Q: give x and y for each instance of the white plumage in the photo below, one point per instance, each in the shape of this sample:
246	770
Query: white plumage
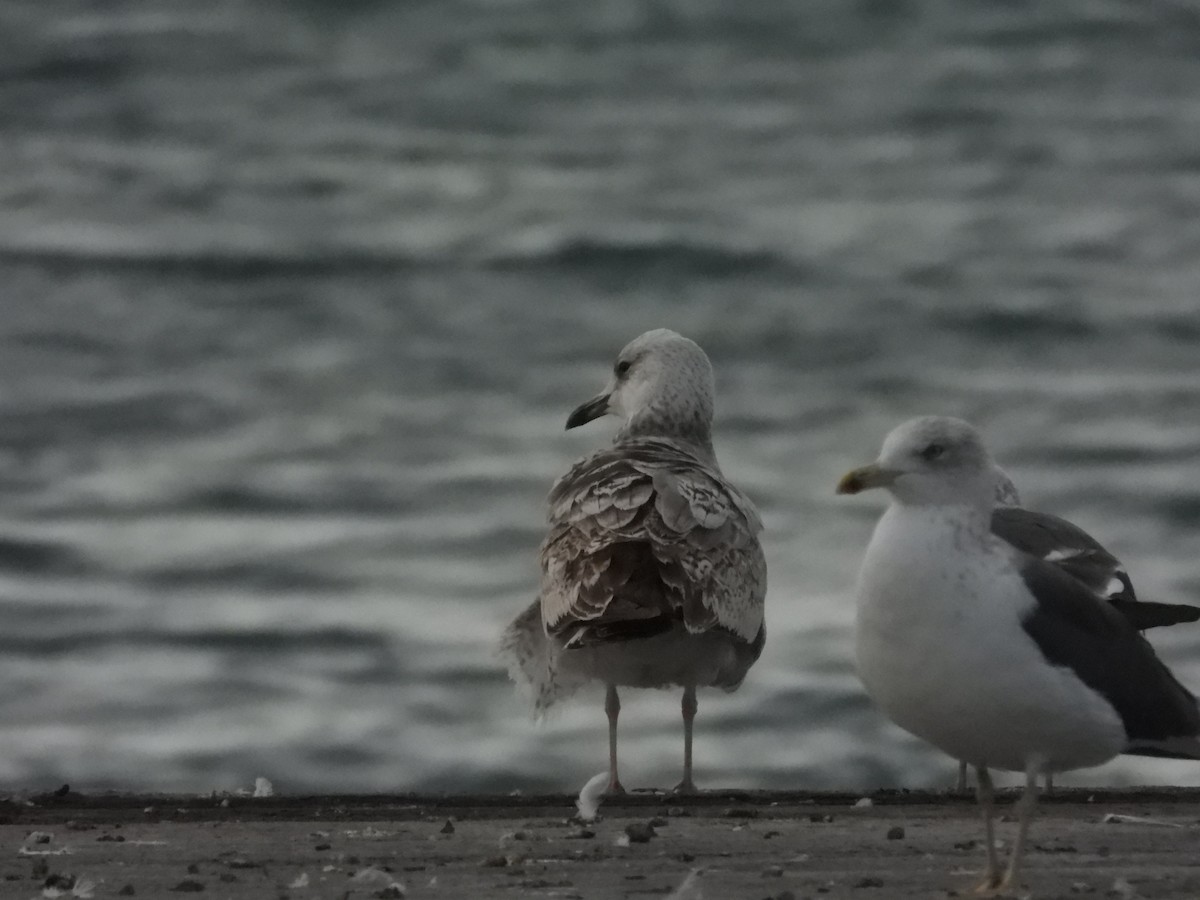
996	656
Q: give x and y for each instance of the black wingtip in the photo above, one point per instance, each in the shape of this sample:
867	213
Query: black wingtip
1143	614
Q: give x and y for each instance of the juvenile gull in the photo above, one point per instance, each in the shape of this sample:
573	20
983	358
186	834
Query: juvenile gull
652	572
996	656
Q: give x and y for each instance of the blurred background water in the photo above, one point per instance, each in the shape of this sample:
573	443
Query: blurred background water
296	298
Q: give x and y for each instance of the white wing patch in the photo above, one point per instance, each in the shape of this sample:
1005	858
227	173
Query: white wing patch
1059	554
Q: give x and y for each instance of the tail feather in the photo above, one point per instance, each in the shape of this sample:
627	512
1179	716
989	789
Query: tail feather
1182	747
532	662
1143	614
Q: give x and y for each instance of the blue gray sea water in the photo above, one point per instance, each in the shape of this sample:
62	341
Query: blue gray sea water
295	299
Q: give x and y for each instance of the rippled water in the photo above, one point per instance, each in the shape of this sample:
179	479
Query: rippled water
296	300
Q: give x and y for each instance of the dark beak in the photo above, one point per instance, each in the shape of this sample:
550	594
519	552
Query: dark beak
593	409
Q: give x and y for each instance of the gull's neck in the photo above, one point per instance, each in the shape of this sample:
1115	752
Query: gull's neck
973	517
693	430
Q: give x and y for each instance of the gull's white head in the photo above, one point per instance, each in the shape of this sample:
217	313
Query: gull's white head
662	384
930	461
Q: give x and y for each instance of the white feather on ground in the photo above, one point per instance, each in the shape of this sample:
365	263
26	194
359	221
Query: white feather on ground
590	796
691	888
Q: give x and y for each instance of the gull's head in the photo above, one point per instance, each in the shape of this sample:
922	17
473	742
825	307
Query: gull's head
662	383
930	461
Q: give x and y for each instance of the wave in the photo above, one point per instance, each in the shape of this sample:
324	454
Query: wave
238	264
256	641
30	556
676	255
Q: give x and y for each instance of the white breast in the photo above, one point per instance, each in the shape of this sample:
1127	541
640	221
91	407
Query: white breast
941	650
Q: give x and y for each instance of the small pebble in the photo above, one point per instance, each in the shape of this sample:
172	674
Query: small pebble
639	832
495	862
126	891
188	886
448	828
895	833
869	883
817	817
773	872
738	812
322	846
193	869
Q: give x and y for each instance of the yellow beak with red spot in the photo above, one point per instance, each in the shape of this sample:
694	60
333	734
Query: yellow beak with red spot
867	477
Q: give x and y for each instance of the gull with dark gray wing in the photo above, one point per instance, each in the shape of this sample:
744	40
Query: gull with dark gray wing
652	571
1074	551
996	656
1064	544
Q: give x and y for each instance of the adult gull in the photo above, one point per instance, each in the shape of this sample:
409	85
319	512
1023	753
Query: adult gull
994	655
1066	545
652	571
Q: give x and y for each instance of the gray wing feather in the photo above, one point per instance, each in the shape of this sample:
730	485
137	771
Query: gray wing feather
1066	545
645	529
1070	548
1076	629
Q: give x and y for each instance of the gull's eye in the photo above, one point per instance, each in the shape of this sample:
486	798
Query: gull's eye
623	367
932	452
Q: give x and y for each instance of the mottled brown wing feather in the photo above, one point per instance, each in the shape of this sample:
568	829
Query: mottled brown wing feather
647	528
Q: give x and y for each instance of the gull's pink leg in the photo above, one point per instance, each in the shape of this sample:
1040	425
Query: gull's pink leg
688	706
612	707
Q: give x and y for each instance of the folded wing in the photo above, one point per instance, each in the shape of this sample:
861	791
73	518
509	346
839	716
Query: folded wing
646	534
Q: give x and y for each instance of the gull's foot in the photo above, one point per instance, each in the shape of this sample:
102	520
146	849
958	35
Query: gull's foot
994	885
615	787
990	885
687	786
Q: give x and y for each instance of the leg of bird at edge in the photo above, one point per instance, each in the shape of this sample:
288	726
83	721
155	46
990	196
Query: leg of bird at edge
1026	807
986	794
687	786
961	786
612	707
